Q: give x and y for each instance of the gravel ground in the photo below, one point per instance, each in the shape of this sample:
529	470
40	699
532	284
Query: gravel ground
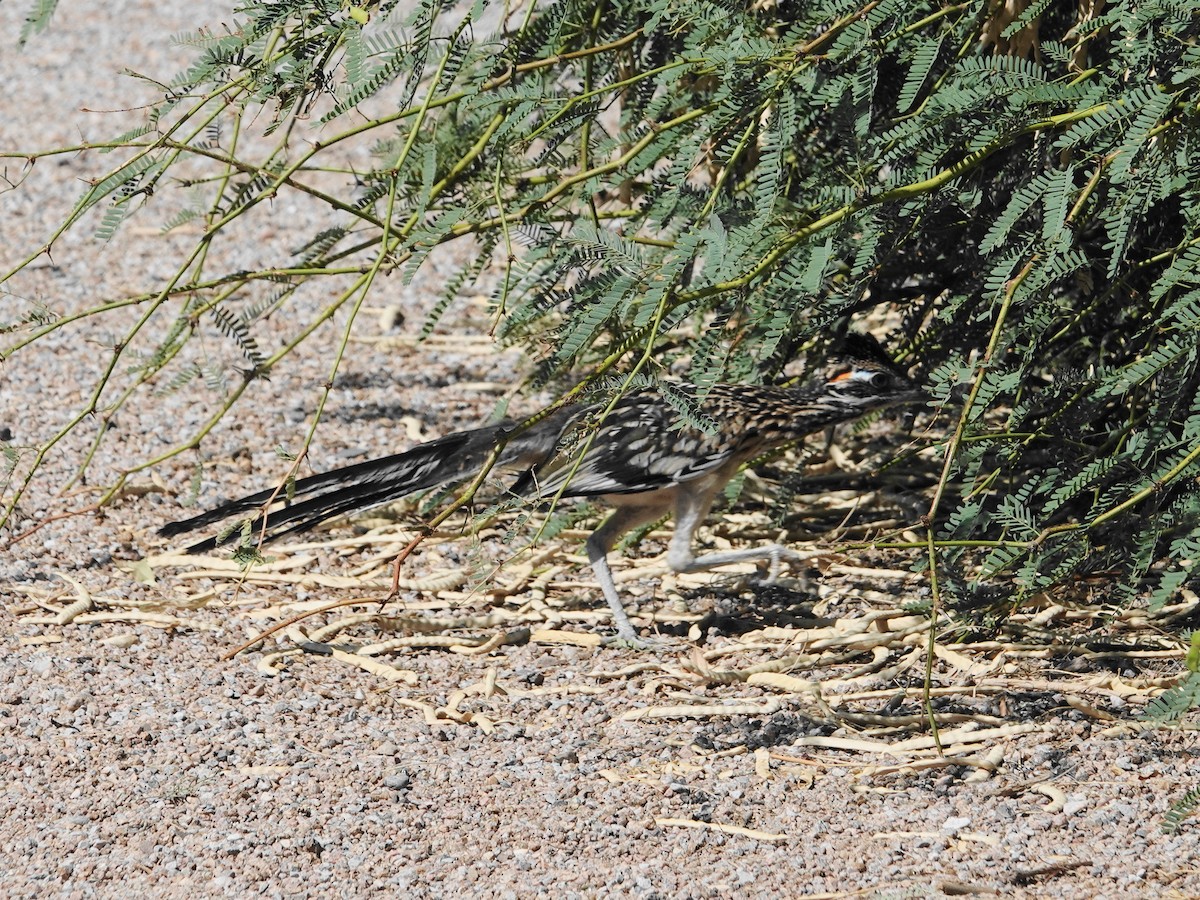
139	763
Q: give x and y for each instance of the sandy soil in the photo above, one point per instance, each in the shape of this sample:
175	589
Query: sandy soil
139	762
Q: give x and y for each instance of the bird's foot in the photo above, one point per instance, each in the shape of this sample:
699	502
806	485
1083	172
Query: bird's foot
627	637
776	555
633	642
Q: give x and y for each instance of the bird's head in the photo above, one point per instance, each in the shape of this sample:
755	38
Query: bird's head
866	378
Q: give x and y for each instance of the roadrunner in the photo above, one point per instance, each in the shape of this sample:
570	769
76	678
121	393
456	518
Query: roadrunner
640	459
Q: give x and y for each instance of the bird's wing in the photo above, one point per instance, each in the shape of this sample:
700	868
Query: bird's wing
639	446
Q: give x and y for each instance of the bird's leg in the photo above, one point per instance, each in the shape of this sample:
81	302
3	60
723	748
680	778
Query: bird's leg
690	509
598	546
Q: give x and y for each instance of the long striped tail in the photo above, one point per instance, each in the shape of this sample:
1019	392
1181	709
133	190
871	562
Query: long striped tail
353	488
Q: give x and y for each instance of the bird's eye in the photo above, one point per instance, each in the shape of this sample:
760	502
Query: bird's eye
881	380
